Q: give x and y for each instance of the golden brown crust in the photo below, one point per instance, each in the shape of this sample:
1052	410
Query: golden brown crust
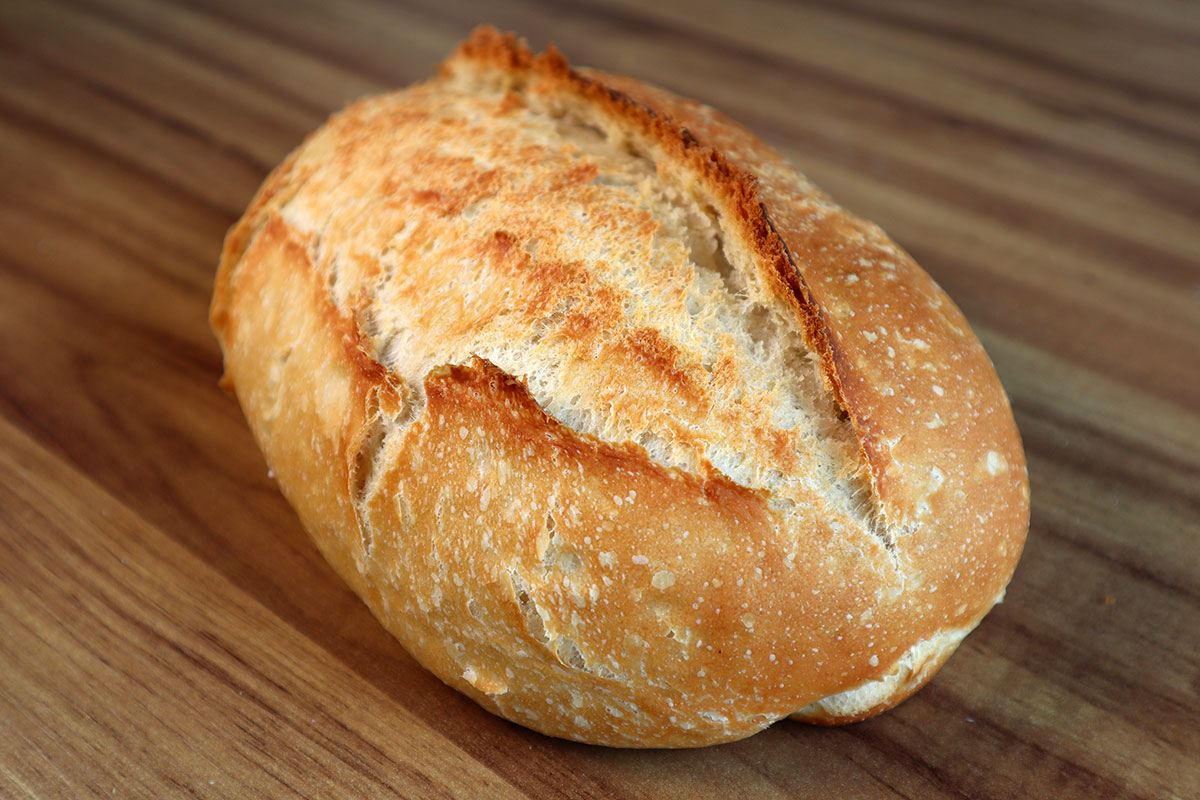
564	575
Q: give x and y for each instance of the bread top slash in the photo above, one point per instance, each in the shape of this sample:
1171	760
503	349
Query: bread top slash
683	446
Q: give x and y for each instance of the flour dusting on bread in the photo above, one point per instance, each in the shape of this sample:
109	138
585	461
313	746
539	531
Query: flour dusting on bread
574	382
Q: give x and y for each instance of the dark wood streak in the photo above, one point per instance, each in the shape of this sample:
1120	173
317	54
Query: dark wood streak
177	349
888	14
352	758
1127	19
150	112
217	11
1092	785
1049	102
97	234
1081	540
1096	686
52	133
934	774
1118	469
867	769
211	58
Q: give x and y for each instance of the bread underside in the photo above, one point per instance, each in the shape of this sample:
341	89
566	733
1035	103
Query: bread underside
621	426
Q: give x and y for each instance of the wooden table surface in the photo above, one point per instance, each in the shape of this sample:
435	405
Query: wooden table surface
167	629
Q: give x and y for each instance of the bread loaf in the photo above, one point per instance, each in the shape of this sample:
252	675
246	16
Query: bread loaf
618	423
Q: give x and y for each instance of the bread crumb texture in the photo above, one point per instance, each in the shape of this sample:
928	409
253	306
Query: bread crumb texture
620	425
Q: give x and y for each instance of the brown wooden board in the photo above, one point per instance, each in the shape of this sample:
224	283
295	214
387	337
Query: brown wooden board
167	629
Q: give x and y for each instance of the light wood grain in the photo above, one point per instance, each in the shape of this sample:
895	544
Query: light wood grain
167	629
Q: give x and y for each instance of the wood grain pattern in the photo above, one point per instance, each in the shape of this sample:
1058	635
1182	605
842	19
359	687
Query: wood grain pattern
166	629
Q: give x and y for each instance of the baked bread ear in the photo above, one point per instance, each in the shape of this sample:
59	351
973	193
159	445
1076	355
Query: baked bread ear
621	426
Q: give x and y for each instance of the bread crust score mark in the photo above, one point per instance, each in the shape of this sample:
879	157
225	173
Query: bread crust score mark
621	426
